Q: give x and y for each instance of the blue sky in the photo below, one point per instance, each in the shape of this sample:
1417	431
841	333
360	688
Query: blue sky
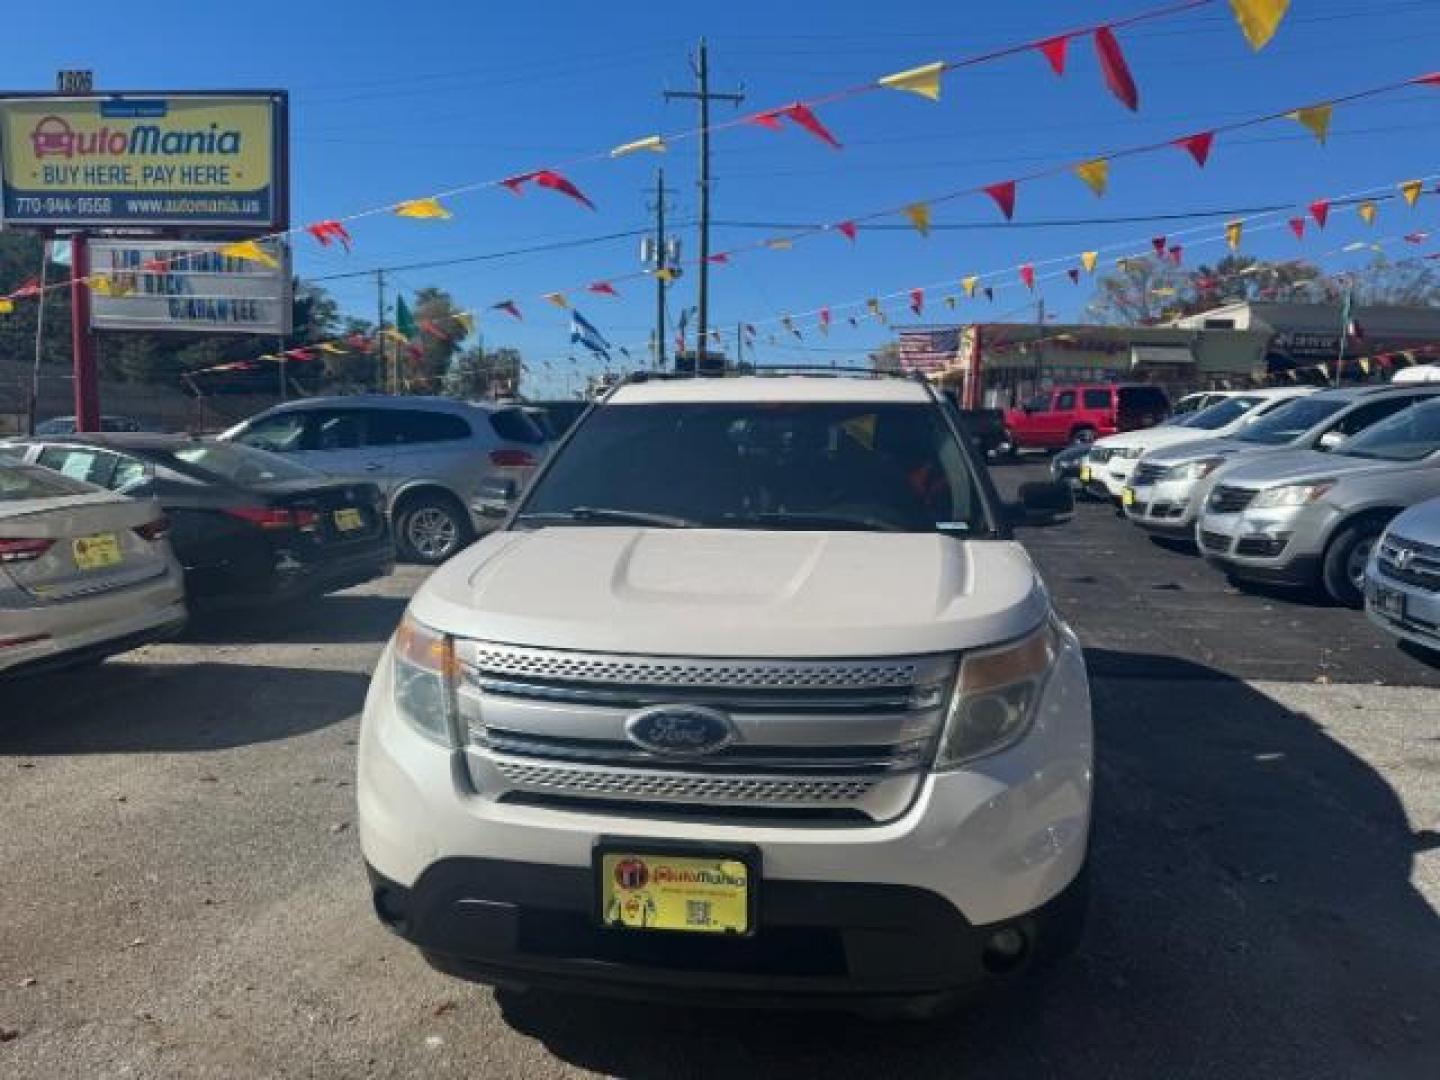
391	101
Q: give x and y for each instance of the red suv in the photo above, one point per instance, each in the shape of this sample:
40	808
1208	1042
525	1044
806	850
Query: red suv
1063	415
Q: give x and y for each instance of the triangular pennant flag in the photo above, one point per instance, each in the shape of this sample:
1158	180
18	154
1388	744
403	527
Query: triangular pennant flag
101	284
800	114
1433	79
466	321
433	329
509	307
666	274
1096	174
825	320
1027	275
1158	243
331	348
919	215
604	288
1177	254
1367	211
1411	190
1320	211
1198	146
1416	237
1115	69
873	306
720	258
328	230
422	208
553	181
558	299
1259	19
1297	226
298	354
968	285
1054	49
7	306
250	251
404	320
1233	232
653	143
1315	119
1004	195
923	80
917	300
1365	365
1074	275
1088	259
780	243
30	288
847	228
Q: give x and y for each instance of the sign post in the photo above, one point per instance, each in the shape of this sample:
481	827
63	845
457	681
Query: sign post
87	380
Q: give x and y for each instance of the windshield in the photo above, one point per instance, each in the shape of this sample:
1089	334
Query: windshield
812	465
1291	420
240	464
1223	414
1409	435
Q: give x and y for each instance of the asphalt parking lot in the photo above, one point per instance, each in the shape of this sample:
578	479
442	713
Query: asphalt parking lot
184	895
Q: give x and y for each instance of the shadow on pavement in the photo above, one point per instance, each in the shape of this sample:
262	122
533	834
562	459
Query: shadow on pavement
145	708
1253	915
340	619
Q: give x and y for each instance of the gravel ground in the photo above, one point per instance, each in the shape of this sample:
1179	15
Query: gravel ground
184	895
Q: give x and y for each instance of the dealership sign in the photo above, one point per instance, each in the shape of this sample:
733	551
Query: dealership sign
142	160
151	285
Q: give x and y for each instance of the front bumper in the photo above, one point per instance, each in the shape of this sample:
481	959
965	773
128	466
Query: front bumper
988	844
1108	480
1167	507
1417	619
1281	546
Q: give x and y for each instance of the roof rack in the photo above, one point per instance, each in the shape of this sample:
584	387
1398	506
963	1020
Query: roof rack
819	371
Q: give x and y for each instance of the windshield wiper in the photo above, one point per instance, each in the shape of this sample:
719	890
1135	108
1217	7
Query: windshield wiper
609	515
815	520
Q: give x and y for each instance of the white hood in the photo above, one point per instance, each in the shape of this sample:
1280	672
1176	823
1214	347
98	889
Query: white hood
701	592
1154	438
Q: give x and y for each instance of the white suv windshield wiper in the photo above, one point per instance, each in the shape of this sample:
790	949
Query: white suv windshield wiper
608	515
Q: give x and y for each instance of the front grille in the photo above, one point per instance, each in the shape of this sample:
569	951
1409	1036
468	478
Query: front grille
1230	500
816	736
1148	474
1410	562
1213	541
1262	545
1099	455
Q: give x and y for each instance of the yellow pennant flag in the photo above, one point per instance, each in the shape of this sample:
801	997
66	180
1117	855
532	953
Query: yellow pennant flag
331	348
558	299
250	251
394	335
466	321
919	215
653	143
1259	19
7	306
666	274
969	284
1365	365
1316	120
923	80
101	285
1233	231
1096	174
780	244
1088	259
1411	189
1367	211
422	208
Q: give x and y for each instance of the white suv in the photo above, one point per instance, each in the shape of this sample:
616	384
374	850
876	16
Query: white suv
752	698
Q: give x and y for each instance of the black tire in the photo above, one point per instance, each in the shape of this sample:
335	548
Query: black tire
431	528
1342	572
1083	435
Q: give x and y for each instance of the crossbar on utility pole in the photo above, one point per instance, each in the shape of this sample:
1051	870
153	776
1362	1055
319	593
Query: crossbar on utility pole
703	94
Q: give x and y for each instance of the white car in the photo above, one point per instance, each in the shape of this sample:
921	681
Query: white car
1111	462
84	573
752	698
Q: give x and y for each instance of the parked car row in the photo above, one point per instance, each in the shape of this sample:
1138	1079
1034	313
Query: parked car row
1333	491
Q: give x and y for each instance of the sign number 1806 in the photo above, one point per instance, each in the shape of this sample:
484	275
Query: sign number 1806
74	81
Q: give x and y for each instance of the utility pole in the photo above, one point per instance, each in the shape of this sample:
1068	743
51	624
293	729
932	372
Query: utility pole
380	325
661	258
701	66
1346	307
86	370
1039	342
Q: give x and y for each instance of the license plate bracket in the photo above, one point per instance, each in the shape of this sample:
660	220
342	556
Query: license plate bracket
676	888
1127	496
348	519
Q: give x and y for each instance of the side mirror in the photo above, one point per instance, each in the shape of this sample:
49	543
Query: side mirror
495	497
1043	503
1331	440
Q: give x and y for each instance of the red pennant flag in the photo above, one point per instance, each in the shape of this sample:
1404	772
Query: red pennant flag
768	120
30	288
848	228
1416	237
1297	226
1433	79
825	316
1074	275
359	341
328	230
155	266
1054	50
1027	275
604	288
720	258
1158	243
517	183
1004	196
806	118
298	354
509	307
434	331
548	178
1320	211
1115	69
1198	146
917	300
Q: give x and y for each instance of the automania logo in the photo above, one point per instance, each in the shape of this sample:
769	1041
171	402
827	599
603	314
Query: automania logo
54	137
666	875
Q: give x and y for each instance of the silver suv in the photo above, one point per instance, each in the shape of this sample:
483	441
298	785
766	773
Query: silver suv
1302	517
431	457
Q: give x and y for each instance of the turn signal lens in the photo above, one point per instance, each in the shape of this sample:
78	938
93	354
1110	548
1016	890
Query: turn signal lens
15	549
153	530
425	674
996	696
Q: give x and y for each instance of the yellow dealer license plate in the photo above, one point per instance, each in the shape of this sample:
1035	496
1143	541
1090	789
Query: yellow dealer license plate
1084	474
695	893
96	552
1128	496
349	520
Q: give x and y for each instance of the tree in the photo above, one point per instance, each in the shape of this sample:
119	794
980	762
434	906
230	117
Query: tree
1407	282
1137	293
1144	291
20	255
438	339
475	373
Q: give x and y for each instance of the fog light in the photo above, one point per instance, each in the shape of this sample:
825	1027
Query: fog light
1005	950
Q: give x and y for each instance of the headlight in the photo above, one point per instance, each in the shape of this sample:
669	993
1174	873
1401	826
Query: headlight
1194	470
996	696
424	676
1291	495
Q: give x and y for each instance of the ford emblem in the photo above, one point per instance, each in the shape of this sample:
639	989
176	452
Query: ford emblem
680	730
